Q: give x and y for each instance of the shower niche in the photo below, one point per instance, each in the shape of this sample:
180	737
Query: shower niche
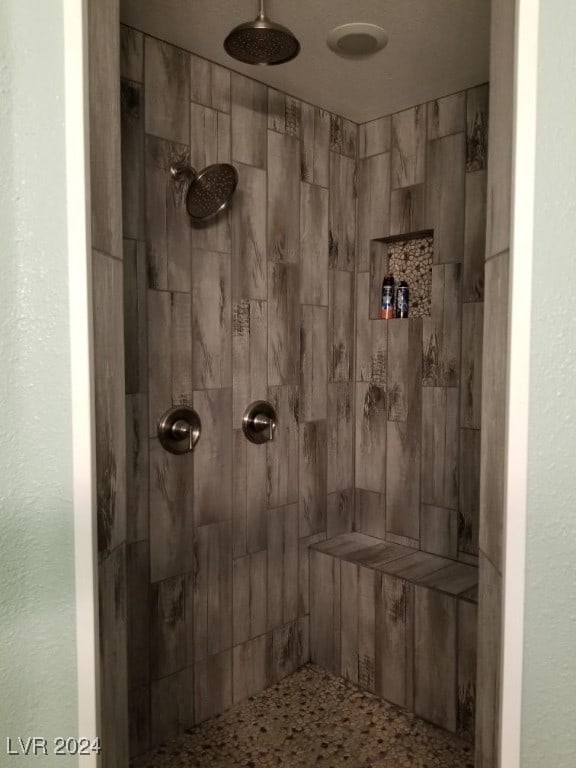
406	257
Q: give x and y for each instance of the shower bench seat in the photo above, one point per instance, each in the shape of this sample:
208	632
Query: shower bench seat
399	622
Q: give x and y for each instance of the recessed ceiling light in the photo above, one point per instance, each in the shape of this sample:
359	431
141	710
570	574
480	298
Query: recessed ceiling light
357	39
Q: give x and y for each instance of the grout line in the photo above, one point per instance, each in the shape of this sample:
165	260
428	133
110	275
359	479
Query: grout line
482	553
493	256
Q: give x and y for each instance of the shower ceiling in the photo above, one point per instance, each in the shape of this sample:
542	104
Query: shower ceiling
436	47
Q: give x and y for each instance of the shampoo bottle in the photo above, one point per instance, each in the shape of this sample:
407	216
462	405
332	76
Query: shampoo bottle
387	302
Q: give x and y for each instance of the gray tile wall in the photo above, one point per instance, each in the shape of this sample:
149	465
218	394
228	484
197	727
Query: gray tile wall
256	304
417	467
112	410
494	375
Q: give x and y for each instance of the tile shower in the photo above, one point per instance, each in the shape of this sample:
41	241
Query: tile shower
378	421
257	304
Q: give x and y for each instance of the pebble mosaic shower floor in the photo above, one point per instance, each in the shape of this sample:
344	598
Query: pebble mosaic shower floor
313	719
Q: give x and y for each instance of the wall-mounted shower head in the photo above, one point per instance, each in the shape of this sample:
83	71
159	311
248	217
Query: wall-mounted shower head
262	42
209	191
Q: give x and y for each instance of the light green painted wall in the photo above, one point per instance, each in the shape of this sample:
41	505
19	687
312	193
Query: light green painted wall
38	690
549	682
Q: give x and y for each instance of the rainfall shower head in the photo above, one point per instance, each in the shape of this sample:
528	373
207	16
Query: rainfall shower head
262	42
208	191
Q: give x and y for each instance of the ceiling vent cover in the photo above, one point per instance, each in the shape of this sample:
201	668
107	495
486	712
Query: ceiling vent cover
357	40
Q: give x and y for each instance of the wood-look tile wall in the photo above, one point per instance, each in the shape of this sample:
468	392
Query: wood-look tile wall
494	377
255	304
418	381
114	564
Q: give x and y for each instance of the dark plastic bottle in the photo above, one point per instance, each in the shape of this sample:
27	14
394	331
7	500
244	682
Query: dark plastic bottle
402	299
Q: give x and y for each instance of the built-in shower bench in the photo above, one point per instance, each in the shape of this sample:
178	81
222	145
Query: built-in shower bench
398	622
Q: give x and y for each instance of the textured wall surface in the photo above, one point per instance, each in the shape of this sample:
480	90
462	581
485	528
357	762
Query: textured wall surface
37	597
549	696
494	381
108	315
255	304
418	381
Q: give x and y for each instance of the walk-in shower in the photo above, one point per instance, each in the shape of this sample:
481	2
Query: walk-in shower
311	598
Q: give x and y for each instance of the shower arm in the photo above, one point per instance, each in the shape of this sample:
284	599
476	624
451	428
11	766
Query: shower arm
183	172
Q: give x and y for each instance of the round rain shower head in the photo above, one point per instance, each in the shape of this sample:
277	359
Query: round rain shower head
262	42
209	191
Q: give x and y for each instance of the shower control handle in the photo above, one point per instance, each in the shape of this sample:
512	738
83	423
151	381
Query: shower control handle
265	423
179	429
182	429
259	422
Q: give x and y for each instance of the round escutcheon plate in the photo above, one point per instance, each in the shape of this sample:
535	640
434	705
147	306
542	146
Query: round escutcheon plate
179	429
